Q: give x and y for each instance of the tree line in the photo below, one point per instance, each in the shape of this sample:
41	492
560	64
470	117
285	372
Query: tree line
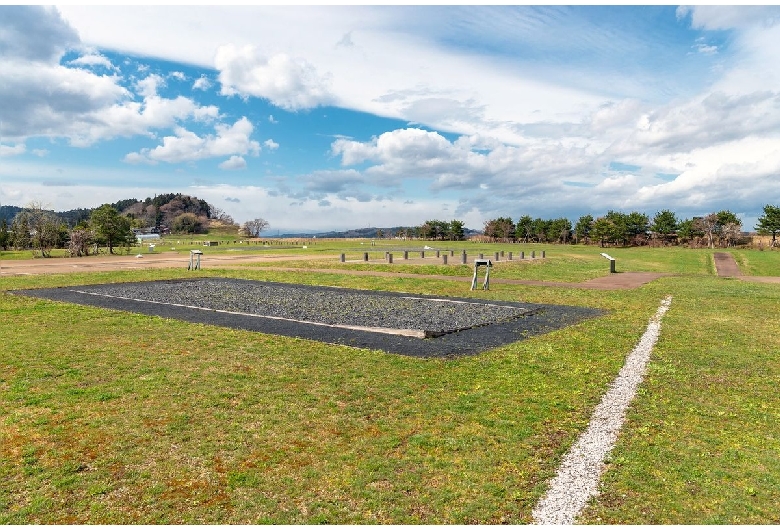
83	231
722	228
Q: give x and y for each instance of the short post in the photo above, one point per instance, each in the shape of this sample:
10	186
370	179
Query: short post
463	258
389	258
422	254
496	256
406	254
510	256
486	284
444	259
438	254
544	253
343	258
365	256
502	253
481	256
611	262
533	254
194	260
522	254
452	253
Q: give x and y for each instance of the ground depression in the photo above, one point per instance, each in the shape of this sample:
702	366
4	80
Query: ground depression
418	325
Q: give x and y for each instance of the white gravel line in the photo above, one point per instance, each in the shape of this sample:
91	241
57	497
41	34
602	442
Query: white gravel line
578	476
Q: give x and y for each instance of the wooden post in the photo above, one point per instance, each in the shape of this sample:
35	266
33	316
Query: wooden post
343	258
444	259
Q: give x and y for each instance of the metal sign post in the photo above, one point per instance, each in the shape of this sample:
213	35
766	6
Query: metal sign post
477	263
194	260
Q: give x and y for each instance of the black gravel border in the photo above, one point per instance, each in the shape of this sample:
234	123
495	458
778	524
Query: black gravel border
540	319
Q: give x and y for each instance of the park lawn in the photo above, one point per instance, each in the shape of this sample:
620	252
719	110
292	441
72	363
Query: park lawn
109	417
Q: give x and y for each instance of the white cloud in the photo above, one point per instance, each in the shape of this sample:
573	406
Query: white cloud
270	144
234	162
202	83
187	146
147	86
12	150
178	75
292	84
93	58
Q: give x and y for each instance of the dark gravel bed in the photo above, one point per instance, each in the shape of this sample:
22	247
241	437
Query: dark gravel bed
458	326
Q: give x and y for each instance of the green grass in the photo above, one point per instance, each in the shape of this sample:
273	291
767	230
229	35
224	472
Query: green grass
111	418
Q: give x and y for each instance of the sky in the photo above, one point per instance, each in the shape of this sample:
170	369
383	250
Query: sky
321	118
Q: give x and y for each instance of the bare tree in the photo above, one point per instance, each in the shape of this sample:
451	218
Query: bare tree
255	226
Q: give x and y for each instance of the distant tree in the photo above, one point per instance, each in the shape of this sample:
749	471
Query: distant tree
187	223
539	229
524	228
456	230
111	229
708	226
559	230
769	223
664	224
582	228
5	236
724	226
603	229
20	232
81	239
39	229
501	228
255	226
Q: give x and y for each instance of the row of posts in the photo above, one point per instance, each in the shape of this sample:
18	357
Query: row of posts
443	256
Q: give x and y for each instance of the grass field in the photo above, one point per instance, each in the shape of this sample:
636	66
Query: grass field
108	417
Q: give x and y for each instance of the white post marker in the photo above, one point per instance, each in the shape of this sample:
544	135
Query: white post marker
194	260
611	261
477	263
578	476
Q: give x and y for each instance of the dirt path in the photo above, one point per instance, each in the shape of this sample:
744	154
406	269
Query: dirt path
726	266
625	280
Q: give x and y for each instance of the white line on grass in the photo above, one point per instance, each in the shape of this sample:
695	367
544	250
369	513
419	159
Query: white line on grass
578	476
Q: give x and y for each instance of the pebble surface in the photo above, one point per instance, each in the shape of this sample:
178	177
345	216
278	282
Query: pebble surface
331	306
466	326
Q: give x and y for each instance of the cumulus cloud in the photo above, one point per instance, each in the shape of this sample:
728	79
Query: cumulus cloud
201	83
92	59
147	86
178	75
44	98
270	144
288	83
187	146
234	162
35	33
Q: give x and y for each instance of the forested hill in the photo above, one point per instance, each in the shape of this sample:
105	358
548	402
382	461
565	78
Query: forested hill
151	211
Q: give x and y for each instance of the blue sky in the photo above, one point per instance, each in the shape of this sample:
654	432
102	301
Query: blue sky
326	118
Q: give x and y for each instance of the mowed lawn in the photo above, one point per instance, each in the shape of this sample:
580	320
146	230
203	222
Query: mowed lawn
108	417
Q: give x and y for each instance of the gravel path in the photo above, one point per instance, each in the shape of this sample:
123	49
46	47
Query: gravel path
343	316
578	476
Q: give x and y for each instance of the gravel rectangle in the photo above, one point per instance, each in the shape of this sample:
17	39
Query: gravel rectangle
418	325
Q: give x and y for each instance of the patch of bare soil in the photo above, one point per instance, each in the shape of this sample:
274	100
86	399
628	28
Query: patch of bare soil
623	280
726	265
